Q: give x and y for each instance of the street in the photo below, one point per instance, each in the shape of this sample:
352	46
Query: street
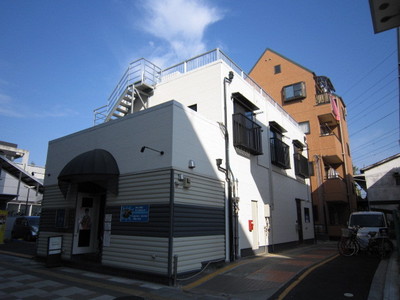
341	278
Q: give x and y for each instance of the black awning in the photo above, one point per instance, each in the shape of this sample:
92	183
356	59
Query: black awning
96	166
244	101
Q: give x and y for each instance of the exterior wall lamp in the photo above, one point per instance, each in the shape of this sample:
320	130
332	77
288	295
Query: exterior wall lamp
144	148
192	164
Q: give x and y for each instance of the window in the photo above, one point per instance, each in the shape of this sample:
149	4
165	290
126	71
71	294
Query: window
279	150
306	215
277	69
305	127
301	164
294	91
246	132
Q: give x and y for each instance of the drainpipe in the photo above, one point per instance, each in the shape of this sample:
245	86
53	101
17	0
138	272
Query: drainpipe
347	181
233	242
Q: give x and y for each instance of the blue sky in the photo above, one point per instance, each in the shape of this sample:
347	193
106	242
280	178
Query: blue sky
61	59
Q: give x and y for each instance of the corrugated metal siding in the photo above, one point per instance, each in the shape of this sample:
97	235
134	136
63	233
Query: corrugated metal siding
53	198
191	220
199	222
192	251
158	225
48	220
149	254
203	191
66	246
143	188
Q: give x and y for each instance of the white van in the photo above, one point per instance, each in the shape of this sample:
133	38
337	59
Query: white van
368	221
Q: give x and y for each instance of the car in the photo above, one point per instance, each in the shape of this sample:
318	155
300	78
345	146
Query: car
26	227
368	221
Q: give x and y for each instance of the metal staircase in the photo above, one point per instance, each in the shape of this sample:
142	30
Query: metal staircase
131	93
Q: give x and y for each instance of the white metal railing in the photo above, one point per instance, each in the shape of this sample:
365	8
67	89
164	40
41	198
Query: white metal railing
144	71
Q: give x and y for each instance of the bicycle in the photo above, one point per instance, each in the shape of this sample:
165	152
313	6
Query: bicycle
379	245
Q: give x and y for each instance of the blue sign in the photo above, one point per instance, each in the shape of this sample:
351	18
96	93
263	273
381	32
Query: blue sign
134	213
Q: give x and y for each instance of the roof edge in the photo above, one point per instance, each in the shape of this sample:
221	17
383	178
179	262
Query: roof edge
284	57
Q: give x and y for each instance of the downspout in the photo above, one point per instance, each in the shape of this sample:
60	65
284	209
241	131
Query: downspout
170	270
233	243
321	196
347	181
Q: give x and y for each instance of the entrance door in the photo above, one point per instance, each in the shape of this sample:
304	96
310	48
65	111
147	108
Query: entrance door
299	221
86	224
254	214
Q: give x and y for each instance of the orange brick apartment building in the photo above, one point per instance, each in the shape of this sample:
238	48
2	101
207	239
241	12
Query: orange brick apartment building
311	100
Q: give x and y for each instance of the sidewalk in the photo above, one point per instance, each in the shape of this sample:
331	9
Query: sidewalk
261	277
266	276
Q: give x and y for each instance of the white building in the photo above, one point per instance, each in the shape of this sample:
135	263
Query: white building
191	164
382	183
21	184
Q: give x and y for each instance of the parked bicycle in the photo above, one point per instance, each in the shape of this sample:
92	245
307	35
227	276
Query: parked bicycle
376	244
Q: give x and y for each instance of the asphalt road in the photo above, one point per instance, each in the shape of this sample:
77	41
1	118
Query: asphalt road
341	278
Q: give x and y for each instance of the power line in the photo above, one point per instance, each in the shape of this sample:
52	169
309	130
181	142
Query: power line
362	102
373	123
374	154
373	69
374	141
379	148
358	115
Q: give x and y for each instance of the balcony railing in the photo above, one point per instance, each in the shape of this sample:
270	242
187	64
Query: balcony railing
279	153
301	165
246	134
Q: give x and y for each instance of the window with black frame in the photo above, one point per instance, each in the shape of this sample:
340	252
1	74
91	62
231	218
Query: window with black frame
279	150
246	132
301	164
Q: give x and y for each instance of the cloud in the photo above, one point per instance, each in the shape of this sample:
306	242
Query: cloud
6	107
180	26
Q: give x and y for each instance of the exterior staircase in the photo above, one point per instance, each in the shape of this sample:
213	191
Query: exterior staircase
131	93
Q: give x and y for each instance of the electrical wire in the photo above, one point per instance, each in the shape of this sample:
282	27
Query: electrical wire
375	154
366	75
350	105
374	141
371	107
373	123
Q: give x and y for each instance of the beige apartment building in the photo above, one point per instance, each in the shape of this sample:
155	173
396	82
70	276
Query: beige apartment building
321	113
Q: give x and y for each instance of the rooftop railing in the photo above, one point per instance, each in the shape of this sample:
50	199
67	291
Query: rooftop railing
145	71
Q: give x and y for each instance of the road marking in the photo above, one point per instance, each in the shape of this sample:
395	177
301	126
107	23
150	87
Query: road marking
210	276
302	276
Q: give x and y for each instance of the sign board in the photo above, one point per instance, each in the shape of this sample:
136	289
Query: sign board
54	250
134	213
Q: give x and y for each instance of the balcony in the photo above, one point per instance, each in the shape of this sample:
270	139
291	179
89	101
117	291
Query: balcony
279	153
301	165
335	190
327	108
331	149
246	134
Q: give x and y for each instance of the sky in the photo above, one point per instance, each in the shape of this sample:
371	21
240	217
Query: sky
61	59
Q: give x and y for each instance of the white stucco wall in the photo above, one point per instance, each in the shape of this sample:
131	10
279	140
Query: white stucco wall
381	184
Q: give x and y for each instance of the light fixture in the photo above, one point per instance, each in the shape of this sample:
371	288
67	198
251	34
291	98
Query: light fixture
192	164
219	162
144	148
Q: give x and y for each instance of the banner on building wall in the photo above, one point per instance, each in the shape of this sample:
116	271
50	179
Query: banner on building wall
134	213
3	219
